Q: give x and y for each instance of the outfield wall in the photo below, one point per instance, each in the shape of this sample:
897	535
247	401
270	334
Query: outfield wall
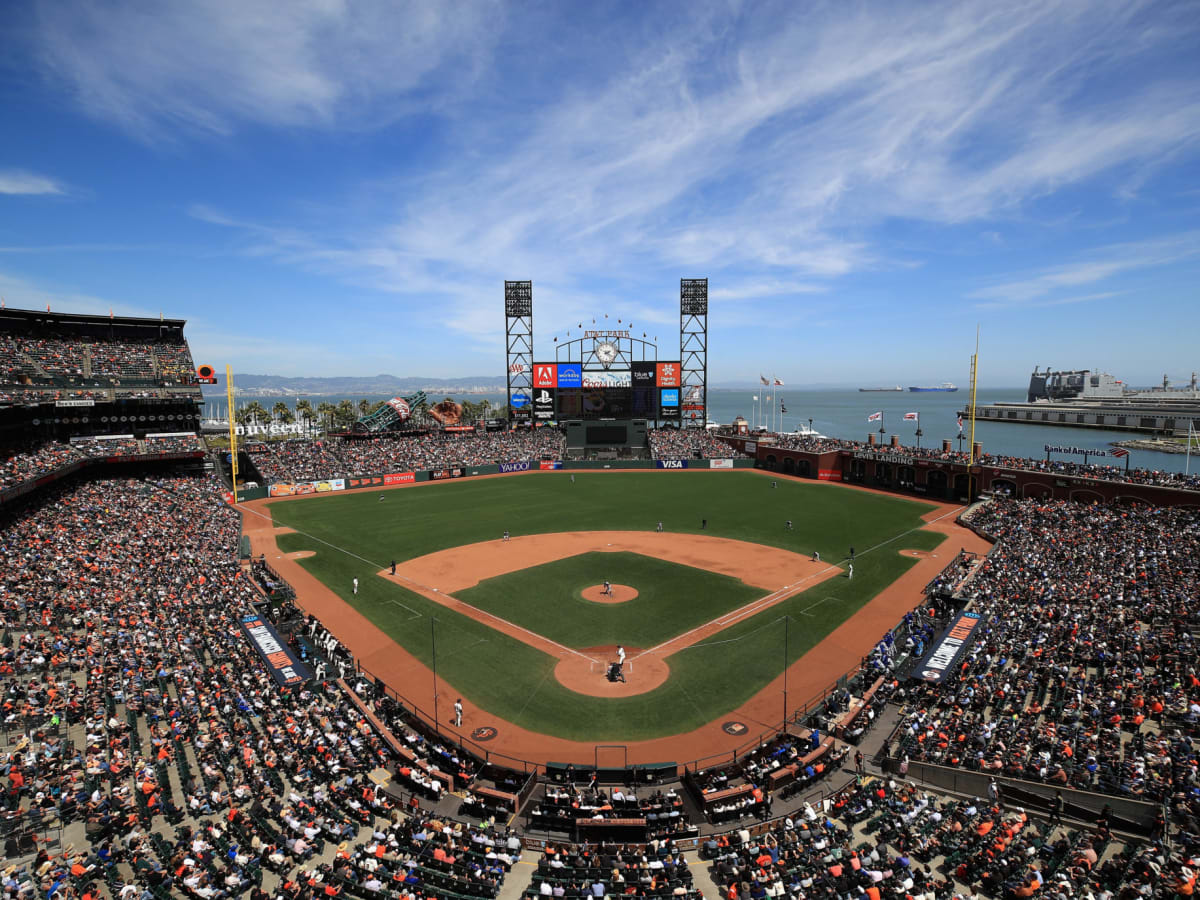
390	479
947	480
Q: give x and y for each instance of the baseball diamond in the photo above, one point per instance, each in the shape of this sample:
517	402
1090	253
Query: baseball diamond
710	613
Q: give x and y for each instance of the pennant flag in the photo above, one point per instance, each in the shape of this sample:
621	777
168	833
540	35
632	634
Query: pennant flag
912	417
1119	452
960	421
778	383
763	379
875	417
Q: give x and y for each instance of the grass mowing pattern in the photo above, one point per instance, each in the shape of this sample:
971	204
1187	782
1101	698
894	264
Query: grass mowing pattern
516	682
672	599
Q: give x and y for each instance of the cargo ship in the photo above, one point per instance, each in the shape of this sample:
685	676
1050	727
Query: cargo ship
879	389
944	388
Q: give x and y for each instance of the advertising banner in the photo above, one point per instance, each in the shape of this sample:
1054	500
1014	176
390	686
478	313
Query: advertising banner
668	374
1056	448
283	665
400	478
516	466
946	652
643	374
829	474
65	403
543	404
547	464
672	463
286	489
545	375
749	446
668	405
720	463
439	474
607	379
519	400
570	375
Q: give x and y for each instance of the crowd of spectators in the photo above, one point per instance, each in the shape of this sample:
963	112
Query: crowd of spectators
34	396
175	443
305	460
881	838
30	358
1085	671
139	711
689	443
560	806
34	460
300	460
142	711
656	869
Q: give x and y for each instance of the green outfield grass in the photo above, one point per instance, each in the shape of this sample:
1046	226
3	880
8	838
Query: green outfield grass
354	535
672	599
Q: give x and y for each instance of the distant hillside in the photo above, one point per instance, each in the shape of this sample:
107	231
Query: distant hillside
343	386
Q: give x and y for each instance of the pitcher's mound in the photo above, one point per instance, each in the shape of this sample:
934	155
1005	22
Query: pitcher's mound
588	674
621	593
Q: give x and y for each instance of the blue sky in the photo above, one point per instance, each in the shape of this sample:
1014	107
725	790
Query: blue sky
341	188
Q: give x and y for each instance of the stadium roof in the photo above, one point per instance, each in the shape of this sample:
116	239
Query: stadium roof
27	317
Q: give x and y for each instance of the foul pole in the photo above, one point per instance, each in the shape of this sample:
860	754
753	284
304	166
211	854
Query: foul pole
233	467
971	455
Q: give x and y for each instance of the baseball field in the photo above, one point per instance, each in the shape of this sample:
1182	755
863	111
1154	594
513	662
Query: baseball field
711	610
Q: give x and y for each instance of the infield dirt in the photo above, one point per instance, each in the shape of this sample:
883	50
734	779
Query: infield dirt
813	672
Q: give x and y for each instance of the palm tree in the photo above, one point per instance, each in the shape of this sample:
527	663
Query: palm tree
344	414
281	412
326	410
364	406
304	410
255	412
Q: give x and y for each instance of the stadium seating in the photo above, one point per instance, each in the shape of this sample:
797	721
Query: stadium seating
50	355
305	460
689	443
1086	672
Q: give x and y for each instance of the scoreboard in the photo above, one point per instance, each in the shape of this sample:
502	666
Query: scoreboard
645	390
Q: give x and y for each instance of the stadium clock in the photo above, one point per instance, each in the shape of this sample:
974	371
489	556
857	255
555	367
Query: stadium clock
606	352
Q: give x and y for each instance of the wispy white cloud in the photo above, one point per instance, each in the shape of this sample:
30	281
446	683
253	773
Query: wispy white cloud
19	181
1100	265
764	150
213	65
758	289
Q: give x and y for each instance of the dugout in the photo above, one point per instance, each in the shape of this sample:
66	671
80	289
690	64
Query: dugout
607	439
